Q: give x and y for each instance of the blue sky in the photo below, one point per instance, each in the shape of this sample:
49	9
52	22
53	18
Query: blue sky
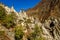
18	4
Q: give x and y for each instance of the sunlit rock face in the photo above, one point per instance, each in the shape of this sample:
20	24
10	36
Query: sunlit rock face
22	14
7	9
13	10
10	10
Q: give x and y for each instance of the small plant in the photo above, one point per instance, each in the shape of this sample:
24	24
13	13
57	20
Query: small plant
28	21
2	33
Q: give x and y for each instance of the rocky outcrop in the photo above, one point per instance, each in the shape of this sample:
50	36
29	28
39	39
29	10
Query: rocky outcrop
52	28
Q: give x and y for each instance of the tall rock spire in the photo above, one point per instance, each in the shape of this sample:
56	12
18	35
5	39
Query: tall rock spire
12	8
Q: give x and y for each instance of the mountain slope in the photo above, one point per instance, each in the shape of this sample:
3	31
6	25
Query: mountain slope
39	23
48	12
45	8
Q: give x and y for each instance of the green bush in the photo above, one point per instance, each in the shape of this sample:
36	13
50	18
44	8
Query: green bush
37	34
2	33
9	21
2	13
18	33
28	21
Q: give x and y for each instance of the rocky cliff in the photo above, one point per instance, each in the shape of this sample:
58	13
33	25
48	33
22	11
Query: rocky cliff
45	9
41	22
48	13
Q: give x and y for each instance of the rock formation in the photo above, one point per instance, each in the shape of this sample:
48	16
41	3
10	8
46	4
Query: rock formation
41	22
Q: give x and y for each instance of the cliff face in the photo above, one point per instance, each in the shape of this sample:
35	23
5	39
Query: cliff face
45	9
48	12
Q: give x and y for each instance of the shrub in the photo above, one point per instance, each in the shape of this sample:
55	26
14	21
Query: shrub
9	21
2	13
37	34
2	33
28	21
18	33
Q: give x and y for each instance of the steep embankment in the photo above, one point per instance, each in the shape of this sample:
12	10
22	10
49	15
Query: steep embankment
48	12
45	9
